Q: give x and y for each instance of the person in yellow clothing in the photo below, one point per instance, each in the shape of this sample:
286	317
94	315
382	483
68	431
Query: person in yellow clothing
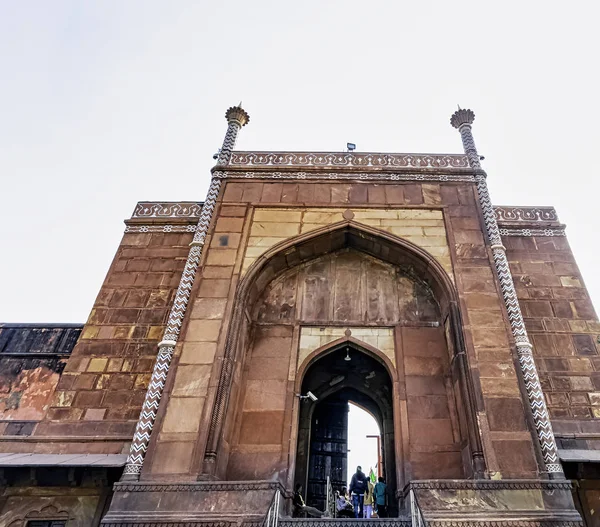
369	500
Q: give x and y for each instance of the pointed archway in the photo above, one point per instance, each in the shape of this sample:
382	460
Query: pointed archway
342	373
270	326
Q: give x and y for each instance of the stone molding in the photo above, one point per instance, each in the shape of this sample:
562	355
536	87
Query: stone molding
166	228
346	159
199	486
363	176
491	484
533	232
512	215
190	228
169	209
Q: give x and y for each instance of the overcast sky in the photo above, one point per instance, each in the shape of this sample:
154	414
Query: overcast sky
103	104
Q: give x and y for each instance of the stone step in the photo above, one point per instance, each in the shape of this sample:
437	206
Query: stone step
343	522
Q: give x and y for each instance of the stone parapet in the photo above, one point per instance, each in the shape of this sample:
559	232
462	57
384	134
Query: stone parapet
221	503
347	160
455	503
522	503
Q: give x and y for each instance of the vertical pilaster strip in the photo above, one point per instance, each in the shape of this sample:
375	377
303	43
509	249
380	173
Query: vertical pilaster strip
462	120
236	118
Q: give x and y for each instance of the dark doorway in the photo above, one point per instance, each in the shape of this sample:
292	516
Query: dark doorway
328	449
323	428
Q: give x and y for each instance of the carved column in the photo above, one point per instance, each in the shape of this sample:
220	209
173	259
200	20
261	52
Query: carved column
462	120
236	117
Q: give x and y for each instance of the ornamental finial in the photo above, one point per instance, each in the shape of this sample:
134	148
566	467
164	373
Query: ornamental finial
461	117
237	114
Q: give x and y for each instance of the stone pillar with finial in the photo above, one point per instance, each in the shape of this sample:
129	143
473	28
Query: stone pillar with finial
462	121
236	118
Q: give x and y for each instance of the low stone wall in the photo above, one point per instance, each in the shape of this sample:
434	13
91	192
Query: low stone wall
215	503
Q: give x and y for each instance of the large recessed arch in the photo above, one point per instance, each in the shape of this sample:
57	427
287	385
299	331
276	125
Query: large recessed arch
304	248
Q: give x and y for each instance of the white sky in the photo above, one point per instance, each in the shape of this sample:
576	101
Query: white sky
362	451
103	104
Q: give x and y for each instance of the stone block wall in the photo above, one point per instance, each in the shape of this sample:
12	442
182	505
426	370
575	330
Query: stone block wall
104	382
252	216
563	326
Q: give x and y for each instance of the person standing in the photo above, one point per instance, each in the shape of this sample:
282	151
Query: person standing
369	499
358	487
380	495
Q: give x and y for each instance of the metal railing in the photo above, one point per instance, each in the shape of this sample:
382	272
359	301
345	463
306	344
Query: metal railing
416	516
330	509
272	516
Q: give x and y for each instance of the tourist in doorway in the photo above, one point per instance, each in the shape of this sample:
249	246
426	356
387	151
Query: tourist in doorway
380	496
301	508
369	499
358	487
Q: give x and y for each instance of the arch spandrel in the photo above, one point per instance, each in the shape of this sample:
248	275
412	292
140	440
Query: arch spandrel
348	287
423	227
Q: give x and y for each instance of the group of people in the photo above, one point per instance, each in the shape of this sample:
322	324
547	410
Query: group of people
362	500
368	500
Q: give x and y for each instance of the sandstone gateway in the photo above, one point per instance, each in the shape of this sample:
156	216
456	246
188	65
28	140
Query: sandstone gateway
472	341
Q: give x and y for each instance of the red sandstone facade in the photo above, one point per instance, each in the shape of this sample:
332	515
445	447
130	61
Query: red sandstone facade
214	317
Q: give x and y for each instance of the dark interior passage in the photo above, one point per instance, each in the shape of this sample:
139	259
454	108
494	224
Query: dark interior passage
323	431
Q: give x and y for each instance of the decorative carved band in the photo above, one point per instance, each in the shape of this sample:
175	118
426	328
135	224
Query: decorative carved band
160	228
178	209
532	232
488	484
371	176
199	486
347	159
525	214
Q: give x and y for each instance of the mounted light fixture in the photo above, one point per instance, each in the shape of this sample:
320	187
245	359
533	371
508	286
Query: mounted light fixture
347	358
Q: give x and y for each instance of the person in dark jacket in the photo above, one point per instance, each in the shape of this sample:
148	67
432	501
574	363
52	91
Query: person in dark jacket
358	487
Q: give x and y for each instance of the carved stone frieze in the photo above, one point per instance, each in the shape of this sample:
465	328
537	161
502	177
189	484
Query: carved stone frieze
525	214
347	159
156	209
532	232
199	486
365	176
488	484
160	228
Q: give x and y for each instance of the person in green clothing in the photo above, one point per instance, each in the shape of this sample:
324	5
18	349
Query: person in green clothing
380	495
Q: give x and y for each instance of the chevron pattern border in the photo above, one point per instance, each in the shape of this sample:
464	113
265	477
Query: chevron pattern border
145	424
462	119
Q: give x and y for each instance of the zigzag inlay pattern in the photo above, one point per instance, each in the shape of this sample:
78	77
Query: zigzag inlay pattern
462	120
145	424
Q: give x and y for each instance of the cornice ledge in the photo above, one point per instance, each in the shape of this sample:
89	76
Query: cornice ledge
199	486
481	484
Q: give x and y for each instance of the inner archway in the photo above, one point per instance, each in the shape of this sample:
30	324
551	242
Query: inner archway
345	373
